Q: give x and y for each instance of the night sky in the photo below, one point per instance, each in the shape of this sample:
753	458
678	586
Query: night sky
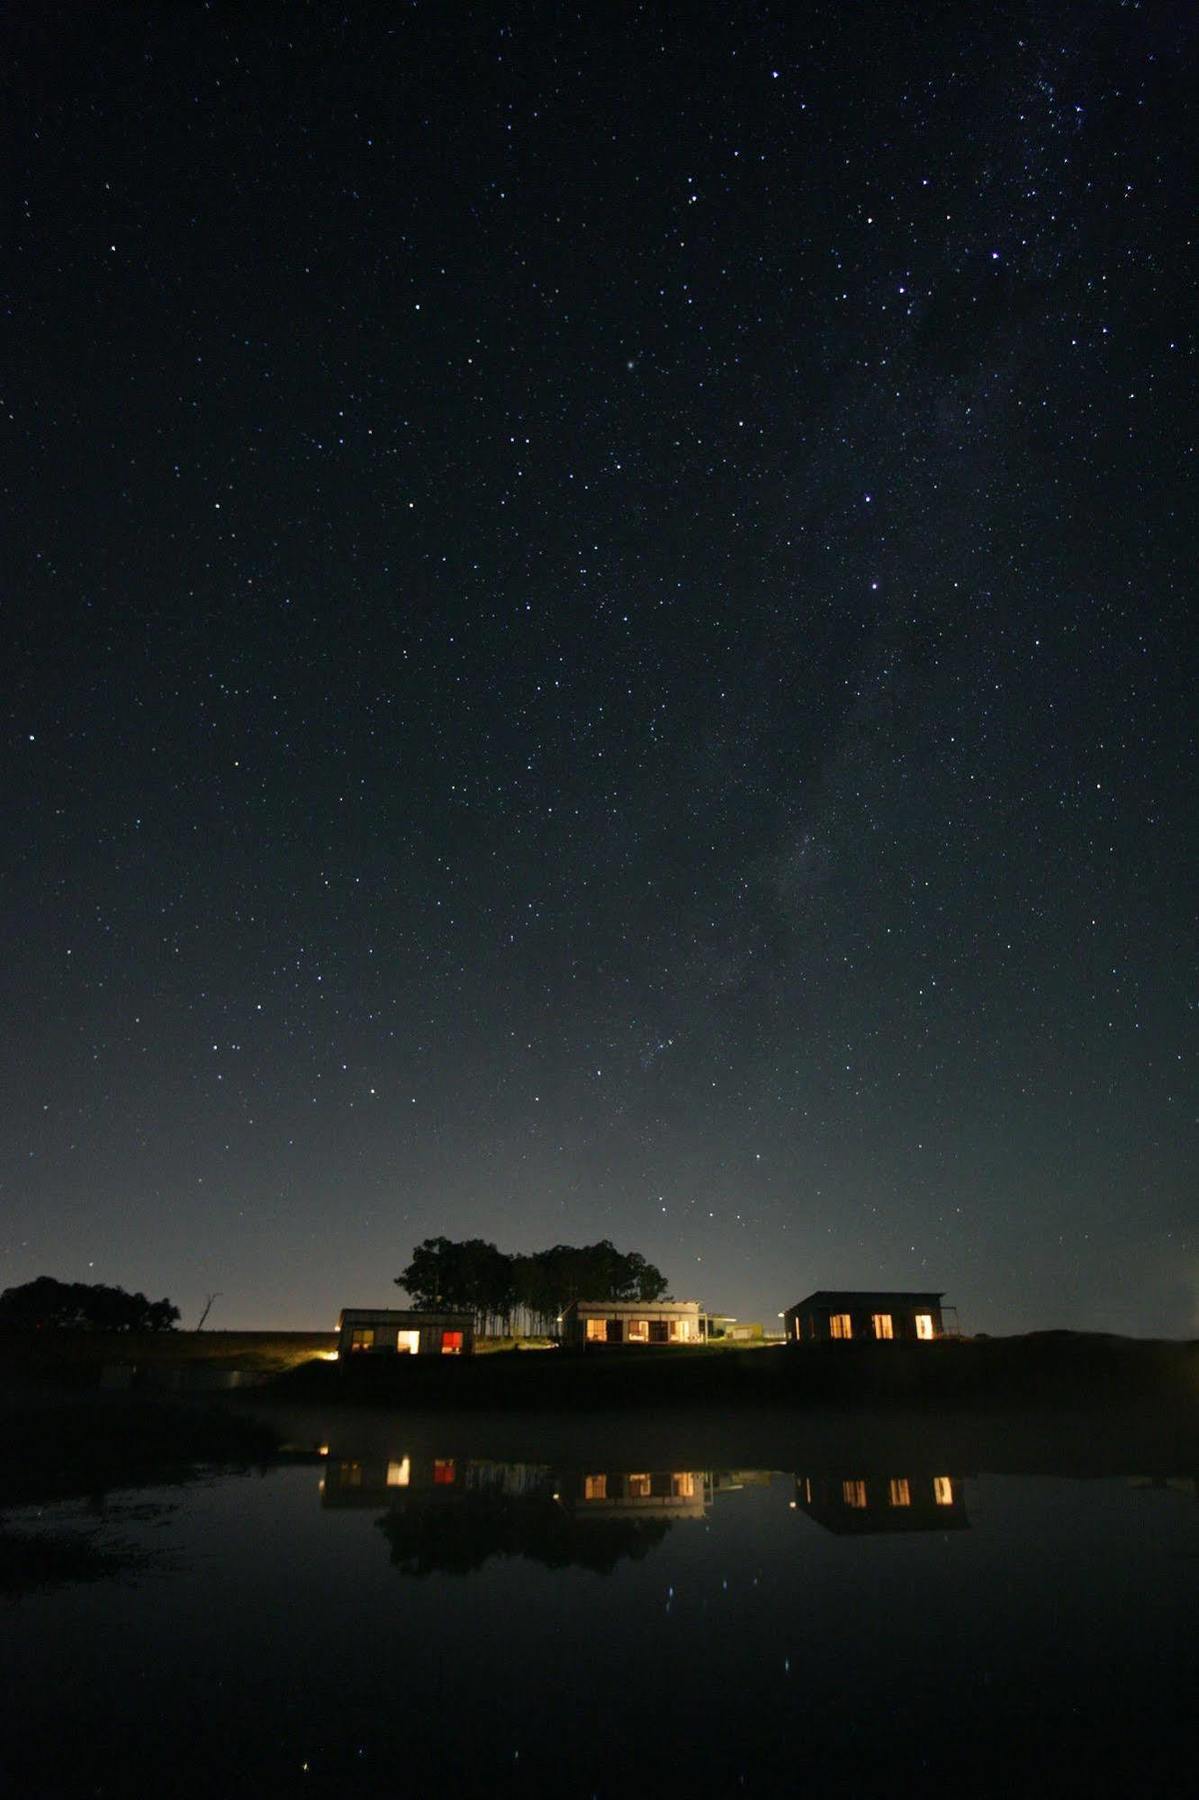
599	644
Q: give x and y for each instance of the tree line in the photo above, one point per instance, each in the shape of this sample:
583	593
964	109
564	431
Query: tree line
46	1304
524	1293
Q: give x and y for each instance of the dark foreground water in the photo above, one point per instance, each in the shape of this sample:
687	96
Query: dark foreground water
395	1617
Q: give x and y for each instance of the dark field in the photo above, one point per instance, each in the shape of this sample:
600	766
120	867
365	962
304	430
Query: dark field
1050	1402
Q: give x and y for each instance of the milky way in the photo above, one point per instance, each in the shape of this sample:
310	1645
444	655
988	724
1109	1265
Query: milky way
600	646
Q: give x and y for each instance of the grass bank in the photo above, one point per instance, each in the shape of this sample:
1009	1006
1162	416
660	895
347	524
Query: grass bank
77	1358
61	1445
1043	1369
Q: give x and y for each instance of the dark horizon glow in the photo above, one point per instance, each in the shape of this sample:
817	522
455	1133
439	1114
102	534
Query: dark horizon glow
602	646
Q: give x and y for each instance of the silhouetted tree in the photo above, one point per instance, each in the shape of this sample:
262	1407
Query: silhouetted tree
46	1304
431	1278
457	1533
476	1277
469	1277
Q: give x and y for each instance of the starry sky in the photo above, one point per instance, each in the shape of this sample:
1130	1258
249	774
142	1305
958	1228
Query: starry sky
599	644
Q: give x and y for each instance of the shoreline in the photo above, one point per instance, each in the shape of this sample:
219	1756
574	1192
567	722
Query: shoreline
1050	1404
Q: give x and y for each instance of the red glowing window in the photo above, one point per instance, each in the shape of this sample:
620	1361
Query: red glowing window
445	1472
451	1343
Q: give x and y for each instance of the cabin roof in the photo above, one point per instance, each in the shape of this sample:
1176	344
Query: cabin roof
866	1297
639	1308
382	1315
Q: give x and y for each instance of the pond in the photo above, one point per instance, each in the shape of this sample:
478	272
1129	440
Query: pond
383	1613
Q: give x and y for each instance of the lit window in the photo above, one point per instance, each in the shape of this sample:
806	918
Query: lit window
597	1329
854	1493
445	1473
943	1490
924	1326
900	1492
408	1342
398	1473
682	1485
883	1328
680	1330
451	1343
638	1331
595	1487
840	1325
637	1487
795	1324
362	1337
350	1474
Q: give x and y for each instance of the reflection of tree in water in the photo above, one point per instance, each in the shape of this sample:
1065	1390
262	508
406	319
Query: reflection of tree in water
456	1535
33	1561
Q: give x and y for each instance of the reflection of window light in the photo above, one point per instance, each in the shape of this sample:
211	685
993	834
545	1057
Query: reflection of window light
943	1490
900	1491
853	1493
883	1327
840	1325
924	1325
595	1487
637	1487
398	1473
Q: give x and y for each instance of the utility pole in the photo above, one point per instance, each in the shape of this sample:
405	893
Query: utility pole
207	1310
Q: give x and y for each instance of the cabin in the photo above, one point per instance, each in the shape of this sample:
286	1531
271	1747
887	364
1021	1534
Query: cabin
379	1480
723	1326
386	1331
653	1494
854	1505
591	1322
864	1317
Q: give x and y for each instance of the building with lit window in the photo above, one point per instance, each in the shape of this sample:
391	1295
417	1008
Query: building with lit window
657	1493
865	1317
383	1331
857	1504
376	1480
593	1322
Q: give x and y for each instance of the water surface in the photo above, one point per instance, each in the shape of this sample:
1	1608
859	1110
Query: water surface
386	1614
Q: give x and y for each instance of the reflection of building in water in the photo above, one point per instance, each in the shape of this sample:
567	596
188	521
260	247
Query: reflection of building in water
1167	1484
378	1481
642	1493
856	1504
453	1513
